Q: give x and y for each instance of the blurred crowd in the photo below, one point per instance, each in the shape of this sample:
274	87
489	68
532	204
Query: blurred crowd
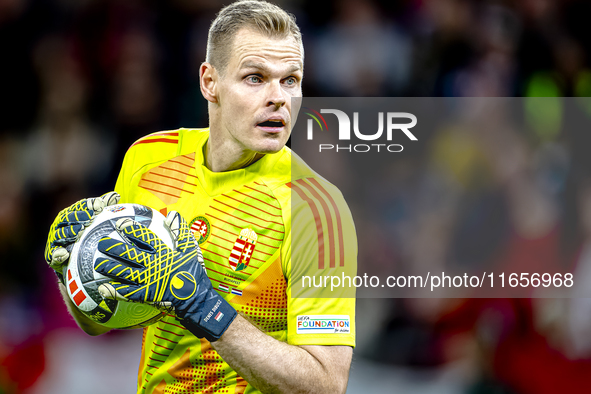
486	193
80	80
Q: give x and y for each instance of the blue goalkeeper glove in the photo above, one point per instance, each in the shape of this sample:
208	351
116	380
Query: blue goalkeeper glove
68	226
146	270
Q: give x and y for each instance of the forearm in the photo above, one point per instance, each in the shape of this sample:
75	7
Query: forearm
86	324
273	366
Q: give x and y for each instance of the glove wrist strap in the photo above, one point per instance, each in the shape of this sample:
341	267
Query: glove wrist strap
212	320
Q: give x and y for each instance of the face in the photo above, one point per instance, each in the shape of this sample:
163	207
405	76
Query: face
254	94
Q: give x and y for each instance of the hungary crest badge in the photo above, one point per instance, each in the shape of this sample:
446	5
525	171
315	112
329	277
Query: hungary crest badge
201	229
243	249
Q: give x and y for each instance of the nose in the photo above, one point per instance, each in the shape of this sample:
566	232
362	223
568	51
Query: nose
275	97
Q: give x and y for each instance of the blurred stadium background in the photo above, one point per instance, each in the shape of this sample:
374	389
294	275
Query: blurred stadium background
80	80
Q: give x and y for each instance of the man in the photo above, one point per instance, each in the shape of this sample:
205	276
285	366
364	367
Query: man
234	182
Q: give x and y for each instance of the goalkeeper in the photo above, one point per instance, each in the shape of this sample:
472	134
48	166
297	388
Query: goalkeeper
260	217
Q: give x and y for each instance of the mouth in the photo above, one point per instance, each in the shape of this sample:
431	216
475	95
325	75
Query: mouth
272	125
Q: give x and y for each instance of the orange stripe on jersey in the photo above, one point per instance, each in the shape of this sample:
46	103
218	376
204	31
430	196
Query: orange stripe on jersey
156	190
338	215
212	261
223	229
217	254
318	221
160	354
219	246
224	257
170	132
166	339
327	214
176	170
241	272
222	238
260	251
165	182
150	140
233	225
254	198
142	355
246	221
268	246
164	347
147	179
256	190
172	324
173	333
215	280
252	206
154	175
231	233
183	164
240	385
248	213
187	160
173	178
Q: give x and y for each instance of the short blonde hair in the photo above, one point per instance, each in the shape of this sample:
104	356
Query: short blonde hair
261	16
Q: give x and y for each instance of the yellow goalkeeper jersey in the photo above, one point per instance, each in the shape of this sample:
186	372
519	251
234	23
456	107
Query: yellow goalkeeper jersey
260	229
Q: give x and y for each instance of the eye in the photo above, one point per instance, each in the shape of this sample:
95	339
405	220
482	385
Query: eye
291	81
254	79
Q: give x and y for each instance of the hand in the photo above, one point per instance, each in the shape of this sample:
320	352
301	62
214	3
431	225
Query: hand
175	281
67	228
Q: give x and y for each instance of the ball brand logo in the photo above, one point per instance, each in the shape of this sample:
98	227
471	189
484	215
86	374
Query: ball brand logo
392	120
98	316
115	208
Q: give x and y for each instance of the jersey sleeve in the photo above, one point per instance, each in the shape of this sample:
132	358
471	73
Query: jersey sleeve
124	178
146	152
322	264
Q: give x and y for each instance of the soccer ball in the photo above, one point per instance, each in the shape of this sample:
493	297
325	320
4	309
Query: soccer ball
82	281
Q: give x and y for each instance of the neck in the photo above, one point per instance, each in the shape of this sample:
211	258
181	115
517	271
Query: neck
222	156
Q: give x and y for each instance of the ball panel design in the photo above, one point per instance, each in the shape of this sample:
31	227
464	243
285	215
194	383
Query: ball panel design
87	254
100	315
143	211
82	281
129	314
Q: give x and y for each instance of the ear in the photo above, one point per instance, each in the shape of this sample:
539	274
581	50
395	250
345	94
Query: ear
208	80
